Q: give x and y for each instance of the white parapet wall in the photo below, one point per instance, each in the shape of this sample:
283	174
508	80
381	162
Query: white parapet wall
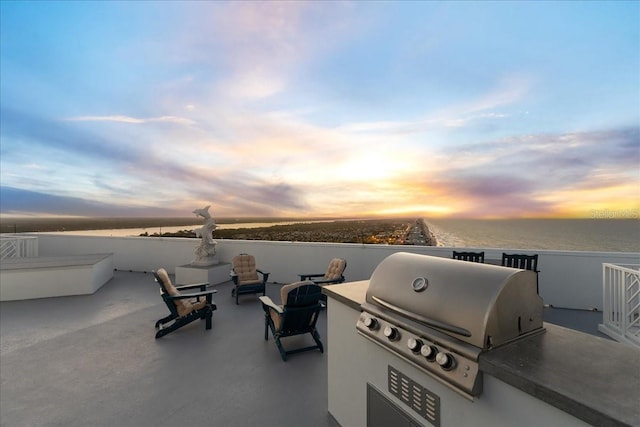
54	276
568	279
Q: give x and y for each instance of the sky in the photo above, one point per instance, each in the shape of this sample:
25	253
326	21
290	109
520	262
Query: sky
503	109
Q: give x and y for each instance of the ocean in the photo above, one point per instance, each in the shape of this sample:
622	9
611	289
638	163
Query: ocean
601	235
608	235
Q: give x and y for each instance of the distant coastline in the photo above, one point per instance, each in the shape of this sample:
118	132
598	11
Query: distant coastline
372	231
47	224
600	235
365	231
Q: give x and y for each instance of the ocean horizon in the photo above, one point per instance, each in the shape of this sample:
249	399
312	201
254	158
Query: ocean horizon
601	235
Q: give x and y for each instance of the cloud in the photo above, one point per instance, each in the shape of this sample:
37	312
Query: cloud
509	91
276	163
258	45
530	154
520	175
133	120
266	200
255	50
495	195
32	129
19	201
71	141
132	175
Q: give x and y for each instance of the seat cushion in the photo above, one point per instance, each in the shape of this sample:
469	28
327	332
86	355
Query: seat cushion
335	269
244	266
249	282
276	318
183	306
187	306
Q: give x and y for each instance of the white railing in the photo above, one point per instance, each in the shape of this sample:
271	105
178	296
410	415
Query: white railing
621	302
568	279
18	246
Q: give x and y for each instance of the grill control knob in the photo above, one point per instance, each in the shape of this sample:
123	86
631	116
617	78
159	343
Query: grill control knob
391	333
371	323
414	345
446	361
429	351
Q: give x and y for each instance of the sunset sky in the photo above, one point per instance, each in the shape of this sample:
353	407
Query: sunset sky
306	109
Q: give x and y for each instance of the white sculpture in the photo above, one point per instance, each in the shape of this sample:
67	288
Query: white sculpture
207	248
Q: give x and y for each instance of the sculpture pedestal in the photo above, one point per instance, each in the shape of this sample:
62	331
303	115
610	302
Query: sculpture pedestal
213	274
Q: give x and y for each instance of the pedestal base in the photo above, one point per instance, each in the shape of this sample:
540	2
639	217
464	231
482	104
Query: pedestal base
213	274
205	263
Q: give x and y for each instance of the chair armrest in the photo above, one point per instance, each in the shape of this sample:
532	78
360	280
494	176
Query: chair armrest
328	281
309	276
267	303
234	276
265	275
202	286
194	294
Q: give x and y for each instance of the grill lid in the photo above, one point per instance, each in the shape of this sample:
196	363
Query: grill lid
480	304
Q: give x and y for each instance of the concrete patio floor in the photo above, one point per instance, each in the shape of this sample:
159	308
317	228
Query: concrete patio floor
93	361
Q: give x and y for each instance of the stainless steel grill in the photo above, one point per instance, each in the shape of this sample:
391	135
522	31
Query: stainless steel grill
440	314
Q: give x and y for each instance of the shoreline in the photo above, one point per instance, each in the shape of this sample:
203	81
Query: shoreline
580	234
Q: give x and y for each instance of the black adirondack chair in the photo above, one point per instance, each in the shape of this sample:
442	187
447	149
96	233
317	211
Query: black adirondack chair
183	308
524	262
245	276
469	256
297	316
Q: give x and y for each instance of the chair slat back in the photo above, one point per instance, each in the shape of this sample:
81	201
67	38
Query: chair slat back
302	308
469	256
524	262
303	296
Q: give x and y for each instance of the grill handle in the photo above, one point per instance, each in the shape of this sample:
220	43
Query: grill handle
423	320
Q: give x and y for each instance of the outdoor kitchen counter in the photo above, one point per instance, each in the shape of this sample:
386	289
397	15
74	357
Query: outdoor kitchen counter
351	294
591	378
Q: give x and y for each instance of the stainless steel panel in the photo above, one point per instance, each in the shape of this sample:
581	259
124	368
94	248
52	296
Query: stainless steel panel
480	304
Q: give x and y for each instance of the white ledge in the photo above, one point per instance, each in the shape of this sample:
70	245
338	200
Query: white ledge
44	277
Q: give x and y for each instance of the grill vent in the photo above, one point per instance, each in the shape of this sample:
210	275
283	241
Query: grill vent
418	398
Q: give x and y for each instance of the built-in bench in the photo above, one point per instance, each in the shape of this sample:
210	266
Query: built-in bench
43	277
